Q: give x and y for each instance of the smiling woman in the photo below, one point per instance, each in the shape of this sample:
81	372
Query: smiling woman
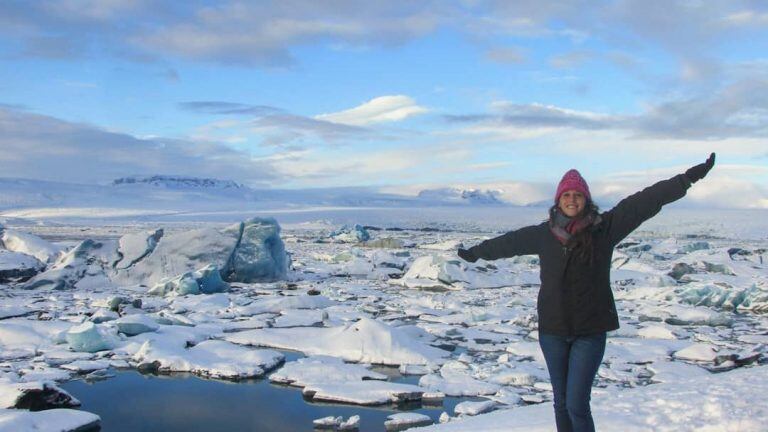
575	303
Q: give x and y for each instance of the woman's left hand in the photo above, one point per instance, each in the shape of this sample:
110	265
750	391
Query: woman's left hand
698	172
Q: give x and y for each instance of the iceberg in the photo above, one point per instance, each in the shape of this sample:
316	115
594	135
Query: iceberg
365	341
350	234
60	419
34	395
83	266
322	369
206	280
402	421
89	337
17	266
17	241
211	358
132	325
364	392
250	251
260	253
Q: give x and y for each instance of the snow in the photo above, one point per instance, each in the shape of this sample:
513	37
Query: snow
322	369
474	408
363	392
703	403
343	303
365	341
131	325
249	251
18	266
403	421
29	244
350	234
90	337
54	420
213	358
697	352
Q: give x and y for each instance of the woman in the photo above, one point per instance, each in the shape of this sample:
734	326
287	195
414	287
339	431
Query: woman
575	302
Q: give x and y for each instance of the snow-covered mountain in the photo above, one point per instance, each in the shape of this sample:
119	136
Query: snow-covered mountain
462	196
178	182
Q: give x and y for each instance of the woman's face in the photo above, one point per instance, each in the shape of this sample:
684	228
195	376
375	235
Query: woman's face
572	202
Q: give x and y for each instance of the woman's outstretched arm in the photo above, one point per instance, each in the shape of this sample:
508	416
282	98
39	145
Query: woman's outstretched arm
641	206
524	241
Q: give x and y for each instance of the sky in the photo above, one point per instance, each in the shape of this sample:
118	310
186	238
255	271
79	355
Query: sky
398	95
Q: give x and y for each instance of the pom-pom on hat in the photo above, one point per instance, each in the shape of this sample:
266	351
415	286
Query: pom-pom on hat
572	180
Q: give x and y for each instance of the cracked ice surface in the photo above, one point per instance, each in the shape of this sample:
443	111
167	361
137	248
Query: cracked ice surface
688	313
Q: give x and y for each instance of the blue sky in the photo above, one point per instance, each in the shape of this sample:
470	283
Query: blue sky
396	95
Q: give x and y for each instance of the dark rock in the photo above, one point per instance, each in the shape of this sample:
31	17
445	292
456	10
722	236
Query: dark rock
313	292
50	396
149	367
680	270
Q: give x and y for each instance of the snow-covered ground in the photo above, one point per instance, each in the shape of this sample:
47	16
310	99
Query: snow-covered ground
691	290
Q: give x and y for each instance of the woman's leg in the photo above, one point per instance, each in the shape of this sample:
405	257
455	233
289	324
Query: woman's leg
556	351
586	354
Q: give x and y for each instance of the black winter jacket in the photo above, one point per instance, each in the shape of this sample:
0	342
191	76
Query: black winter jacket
575	297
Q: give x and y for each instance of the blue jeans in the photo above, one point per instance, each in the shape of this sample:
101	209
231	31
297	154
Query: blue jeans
573	363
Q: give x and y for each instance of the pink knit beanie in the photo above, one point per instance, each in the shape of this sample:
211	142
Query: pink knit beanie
572	180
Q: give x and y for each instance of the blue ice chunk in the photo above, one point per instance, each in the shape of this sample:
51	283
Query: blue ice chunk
209	280
355	233
133	325
88	337
260	255
182	285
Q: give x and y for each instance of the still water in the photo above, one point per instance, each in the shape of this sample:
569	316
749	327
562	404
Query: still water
131	401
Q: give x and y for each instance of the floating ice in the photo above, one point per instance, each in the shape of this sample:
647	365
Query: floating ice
17	266
685	315
364	392
19	340
702	352
250	251
260	253
455	380
656	332
29	244
350	234
89	337
81	267
84	366
693	247
132	248
63	420
366	341
402	421
180	285
471	408
322	369
280	304
206	280
134	324
213	358
34	395
752	298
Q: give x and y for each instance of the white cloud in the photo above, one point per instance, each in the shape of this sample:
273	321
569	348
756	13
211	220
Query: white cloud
46	148
378	110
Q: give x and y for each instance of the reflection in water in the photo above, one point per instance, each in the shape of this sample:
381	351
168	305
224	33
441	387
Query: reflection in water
181	402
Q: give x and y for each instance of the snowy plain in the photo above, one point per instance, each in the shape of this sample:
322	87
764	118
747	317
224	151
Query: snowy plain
691	289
